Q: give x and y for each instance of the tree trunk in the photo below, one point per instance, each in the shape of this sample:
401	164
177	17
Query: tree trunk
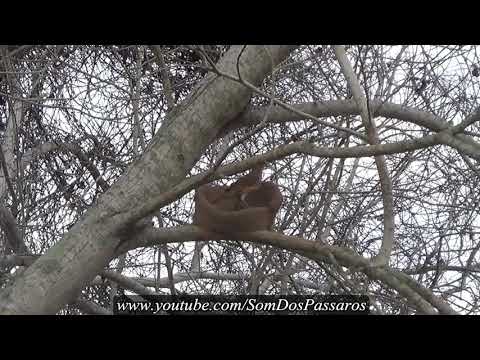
59	275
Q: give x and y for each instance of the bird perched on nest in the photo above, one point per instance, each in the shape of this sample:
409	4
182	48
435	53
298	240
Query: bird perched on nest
247	205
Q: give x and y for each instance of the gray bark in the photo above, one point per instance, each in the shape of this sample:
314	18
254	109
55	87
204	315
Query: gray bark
58	276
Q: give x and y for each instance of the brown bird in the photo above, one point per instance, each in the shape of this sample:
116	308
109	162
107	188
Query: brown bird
247	205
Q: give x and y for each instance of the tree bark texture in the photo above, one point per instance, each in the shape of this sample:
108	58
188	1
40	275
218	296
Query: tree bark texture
57	277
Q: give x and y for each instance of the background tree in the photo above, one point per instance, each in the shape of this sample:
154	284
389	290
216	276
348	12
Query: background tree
375	149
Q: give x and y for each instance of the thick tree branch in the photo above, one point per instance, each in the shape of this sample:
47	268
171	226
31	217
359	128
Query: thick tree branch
58	276
154	203
427	120
127	283
422	298
383	256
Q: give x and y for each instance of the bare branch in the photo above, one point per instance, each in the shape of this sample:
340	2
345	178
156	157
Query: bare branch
383	256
